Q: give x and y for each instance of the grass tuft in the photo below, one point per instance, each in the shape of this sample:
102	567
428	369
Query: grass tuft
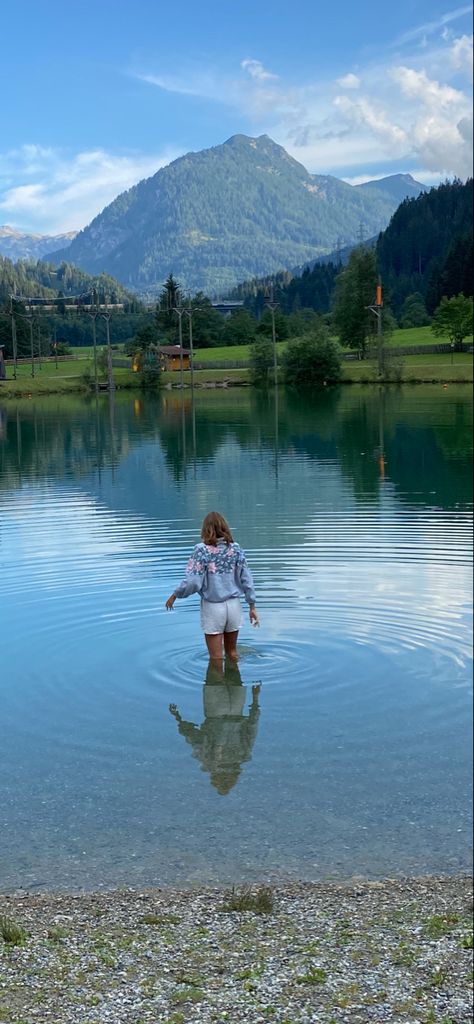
11	933
259	902
316	976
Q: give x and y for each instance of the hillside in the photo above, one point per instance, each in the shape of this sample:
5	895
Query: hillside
426	249
216	217
41	279
17	245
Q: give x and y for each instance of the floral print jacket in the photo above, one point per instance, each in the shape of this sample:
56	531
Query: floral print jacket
218	574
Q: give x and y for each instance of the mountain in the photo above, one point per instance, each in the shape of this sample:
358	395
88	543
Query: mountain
216	217
19	246
396	186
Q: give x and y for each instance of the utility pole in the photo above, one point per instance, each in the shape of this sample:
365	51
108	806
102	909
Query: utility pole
32	347
110	373
179	313
272	306
39	347
93	312
14	339
376	309
189	312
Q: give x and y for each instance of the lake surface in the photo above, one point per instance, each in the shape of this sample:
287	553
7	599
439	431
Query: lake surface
341	746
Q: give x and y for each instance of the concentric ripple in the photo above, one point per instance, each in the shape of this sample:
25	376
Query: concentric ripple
349	710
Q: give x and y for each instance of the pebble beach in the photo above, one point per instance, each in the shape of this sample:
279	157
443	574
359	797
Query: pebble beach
364	951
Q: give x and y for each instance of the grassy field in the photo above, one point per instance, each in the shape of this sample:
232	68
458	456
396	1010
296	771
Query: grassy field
67	377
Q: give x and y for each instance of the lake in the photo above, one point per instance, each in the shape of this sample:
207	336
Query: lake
341	744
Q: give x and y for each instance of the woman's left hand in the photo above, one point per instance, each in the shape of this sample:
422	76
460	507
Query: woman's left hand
170	602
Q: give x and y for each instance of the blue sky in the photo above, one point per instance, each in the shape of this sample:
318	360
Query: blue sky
98	95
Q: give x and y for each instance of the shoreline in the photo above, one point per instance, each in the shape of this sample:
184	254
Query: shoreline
11	394
289	953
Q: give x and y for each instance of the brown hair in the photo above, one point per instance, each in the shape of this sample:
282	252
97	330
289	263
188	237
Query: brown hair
215	527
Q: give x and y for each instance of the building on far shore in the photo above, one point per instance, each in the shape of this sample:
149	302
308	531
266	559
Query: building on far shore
227	306
167	357
170	357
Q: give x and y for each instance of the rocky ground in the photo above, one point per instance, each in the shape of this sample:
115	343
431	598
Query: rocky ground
397	951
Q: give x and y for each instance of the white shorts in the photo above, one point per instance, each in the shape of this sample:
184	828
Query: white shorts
221	616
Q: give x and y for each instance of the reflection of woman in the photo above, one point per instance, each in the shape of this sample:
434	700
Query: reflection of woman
225	739
218	571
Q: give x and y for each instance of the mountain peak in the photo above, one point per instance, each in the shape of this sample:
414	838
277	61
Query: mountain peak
233	211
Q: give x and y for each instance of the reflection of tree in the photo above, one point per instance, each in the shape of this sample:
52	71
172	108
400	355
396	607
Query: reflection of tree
224	741
64	438
424	435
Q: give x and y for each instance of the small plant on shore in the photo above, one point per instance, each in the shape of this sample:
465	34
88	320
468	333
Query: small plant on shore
437	979
467	941
440	924
56	933
315	976
11	933
160	919
259	902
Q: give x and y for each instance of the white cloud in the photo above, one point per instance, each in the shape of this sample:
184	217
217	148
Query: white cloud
349	81
430	27
416	85
461	55
256	70
42	189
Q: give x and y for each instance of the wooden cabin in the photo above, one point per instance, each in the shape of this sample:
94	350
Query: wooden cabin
170	357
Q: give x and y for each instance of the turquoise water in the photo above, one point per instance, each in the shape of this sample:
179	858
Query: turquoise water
341	745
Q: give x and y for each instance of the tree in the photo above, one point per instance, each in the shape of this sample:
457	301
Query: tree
208	324
239	328
453	319
166	320
261	361
281	326
312	361
354	291
142	340
413	312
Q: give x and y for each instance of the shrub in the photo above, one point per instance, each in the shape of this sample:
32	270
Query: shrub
261	362
312	361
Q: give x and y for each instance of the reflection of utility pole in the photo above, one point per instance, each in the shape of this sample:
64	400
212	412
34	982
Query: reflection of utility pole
381	435
276	434
272	306
376	309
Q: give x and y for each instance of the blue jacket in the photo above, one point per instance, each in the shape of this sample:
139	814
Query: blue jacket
218	574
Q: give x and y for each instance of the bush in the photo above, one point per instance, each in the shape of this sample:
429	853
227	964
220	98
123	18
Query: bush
312	361
261	362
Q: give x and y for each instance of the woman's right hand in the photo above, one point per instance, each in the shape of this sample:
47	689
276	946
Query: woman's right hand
170	602
253	616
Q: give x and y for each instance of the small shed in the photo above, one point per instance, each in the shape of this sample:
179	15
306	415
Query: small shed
170	357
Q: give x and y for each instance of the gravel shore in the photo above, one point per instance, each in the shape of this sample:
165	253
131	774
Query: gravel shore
397	951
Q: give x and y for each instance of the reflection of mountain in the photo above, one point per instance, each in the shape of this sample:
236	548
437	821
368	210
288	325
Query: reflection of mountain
223	442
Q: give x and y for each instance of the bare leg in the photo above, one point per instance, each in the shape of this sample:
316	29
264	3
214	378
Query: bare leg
230	645
214	646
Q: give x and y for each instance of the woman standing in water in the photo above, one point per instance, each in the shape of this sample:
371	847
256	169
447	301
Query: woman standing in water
218	571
